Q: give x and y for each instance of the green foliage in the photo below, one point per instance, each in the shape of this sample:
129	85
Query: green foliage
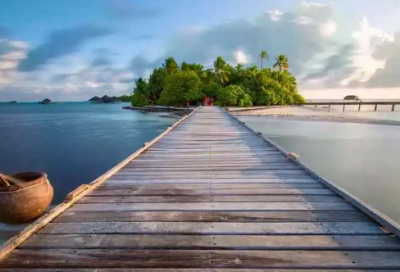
156	84
245	101
139	100
281	62
229	96
126	98
298	99
211	89
170	66
266	97
180	88
173	84
220	70
263	56
140	93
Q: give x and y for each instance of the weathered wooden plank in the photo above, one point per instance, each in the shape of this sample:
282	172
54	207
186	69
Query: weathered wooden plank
215	228
205	198
212	216
209	167
125	258
145	181
251	157
186	270
210	185
169	176
271	158
247	172
208	148
209	152
208	162
205	175
208	145
215	192
215	206
269	242
161	155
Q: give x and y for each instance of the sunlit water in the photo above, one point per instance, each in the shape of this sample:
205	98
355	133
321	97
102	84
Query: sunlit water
362	158
73	142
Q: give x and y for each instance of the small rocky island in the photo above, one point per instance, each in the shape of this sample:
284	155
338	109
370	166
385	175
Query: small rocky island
45	101
104	99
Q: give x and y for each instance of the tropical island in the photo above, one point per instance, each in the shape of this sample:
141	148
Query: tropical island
186	84
45	101
105	99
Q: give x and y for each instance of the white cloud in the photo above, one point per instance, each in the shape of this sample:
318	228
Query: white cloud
311	36
320	50
328	29
11	53
274	15
91	84
70	87
352	64
69	78
241	57
366	39
300	34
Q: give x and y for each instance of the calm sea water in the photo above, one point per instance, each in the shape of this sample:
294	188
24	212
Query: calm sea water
362	158
73	142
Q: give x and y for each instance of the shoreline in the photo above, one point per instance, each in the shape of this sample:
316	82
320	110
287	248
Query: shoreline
296	113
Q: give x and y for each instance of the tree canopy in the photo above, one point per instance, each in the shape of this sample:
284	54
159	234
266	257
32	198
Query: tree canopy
176	85
352	97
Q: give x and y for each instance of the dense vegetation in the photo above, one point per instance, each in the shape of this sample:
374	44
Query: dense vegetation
176	85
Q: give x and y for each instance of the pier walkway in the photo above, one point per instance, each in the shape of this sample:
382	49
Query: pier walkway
210	196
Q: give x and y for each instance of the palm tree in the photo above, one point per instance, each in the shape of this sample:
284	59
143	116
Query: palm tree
221	74
239	66
281	62
208	76
263	56
170	65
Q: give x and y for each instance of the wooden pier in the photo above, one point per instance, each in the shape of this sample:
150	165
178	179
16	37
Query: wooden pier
208	195
354	103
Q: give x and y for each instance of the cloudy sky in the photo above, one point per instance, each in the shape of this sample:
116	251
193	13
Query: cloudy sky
72	49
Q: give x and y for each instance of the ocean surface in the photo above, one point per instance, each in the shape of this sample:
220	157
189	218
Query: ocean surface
361	158
74	143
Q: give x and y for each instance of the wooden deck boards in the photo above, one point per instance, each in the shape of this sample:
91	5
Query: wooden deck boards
209	196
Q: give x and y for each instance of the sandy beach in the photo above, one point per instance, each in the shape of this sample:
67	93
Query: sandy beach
308	113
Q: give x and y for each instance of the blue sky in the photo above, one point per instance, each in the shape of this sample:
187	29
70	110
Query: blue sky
72	50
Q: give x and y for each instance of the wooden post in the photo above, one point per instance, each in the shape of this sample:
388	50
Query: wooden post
376	107
359	107
344	105
329	106
393	107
